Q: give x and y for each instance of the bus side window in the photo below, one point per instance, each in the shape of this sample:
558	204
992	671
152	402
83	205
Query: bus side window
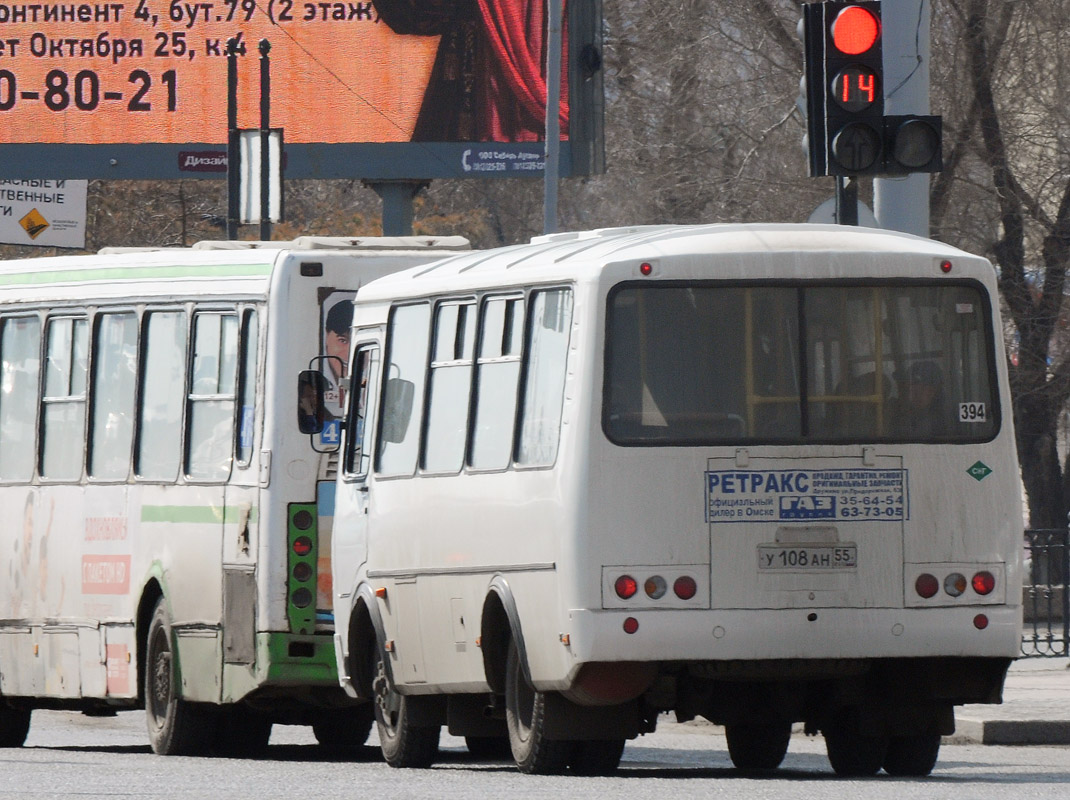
163	381
112	392
450	386
20	366
250	341
364	392
210	438
399	437
497	377
545	362
63	404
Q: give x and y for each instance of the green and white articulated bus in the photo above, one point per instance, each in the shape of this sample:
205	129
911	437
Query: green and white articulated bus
164	524
762	474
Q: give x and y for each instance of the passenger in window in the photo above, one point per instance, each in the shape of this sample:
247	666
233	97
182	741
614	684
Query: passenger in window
925	412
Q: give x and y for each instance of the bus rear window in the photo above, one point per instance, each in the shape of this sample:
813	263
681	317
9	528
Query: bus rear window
702	363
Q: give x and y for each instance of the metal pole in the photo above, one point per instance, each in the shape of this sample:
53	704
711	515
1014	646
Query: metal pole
846	200
233	151
902	203
265	141
553	110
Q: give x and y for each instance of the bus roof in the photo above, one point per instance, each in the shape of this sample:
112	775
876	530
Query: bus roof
584	254
209	267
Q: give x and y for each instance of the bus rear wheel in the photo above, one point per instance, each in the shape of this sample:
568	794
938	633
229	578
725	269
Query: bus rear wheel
344	730
912	756
525	717
176	727
596	757
403	743
14	725
758	747
853	751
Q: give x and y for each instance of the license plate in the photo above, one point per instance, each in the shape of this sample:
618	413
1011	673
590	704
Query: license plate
805	557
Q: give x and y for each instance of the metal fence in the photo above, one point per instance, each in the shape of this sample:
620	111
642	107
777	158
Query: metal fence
1045	600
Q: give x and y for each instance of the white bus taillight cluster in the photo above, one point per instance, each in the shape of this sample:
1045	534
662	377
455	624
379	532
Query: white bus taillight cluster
932	584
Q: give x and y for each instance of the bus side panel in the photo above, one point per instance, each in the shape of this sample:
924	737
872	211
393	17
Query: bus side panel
181	529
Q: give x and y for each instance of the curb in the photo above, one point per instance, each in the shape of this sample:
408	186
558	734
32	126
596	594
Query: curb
1009	732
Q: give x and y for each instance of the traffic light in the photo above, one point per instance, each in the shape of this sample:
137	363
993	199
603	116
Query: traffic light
844	88
848	133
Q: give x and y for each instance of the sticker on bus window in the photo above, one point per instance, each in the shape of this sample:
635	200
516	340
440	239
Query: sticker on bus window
963	308
972	412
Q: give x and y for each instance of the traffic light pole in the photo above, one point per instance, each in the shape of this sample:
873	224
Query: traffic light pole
846	200
902	203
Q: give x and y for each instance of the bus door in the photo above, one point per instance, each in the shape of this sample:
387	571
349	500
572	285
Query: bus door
349	544
807	533
241	506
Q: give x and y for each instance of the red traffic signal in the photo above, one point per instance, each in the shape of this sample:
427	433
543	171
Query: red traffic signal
855	30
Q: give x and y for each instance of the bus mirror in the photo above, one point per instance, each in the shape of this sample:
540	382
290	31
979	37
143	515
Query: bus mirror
397	409
311	408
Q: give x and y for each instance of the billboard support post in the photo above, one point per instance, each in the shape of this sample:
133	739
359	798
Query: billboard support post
553	103
265	134
397	197
233	172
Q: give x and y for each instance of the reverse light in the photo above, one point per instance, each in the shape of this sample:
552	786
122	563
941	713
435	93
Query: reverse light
655	587
984	582
625	587
926	585
302	545
955	584
685	587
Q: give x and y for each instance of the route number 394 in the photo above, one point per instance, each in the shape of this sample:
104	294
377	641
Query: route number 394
972	412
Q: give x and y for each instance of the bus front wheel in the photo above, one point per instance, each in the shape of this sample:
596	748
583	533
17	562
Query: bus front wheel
176	727
525	716
14	725
403	743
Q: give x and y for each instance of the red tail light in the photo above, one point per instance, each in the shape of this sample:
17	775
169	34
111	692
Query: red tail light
984	582
685	587
625	586
926	585
302	545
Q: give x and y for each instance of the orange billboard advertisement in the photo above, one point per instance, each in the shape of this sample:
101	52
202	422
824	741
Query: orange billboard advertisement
138	73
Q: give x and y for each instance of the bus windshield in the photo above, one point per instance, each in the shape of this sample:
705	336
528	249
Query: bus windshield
703	363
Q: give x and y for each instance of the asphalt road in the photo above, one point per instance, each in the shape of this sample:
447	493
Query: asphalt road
68	755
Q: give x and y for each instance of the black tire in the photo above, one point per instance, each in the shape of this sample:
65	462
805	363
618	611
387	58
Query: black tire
525	711
14	725
912	756
758	747
344	730
404	745
852	751
241	733
489	748
596	757
176	727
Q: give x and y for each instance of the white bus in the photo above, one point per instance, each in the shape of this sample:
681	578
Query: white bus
761	474
164	523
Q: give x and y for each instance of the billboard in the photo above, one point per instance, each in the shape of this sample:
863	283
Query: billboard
374	89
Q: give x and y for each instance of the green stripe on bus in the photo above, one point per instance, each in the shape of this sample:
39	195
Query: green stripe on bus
195	514
133	273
